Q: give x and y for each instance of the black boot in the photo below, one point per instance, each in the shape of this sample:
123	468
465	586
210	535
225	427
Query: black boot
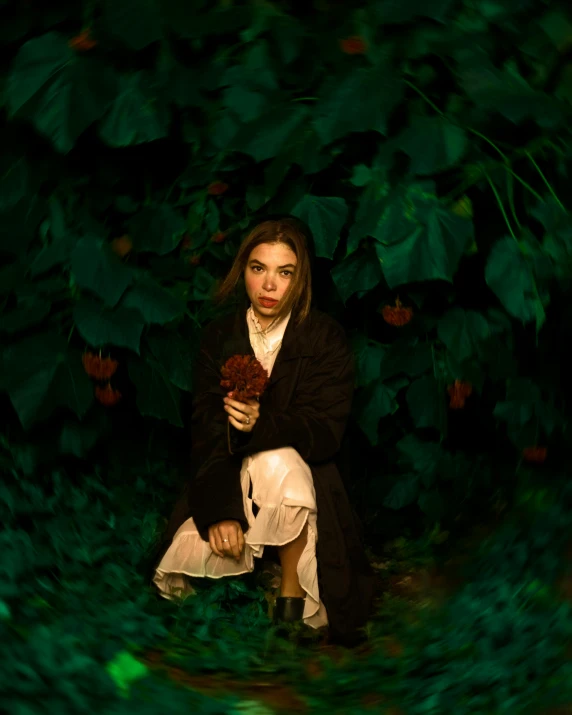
288	609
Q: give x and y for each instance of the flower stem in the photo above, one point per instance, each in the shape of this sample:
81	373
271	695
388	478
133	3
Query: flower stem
498	198
549	186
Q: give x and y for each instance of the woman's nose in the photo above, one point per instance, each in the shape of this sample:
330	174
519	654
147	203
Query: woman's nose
269	283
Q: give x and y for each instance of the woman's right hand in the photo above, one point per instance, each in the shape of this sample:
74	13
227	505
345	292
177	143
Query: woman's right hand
228	529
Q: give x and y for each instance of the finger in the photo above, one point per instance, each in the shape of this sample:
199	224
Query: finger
239	415
240	541
233	540
235	423
212	542
219	545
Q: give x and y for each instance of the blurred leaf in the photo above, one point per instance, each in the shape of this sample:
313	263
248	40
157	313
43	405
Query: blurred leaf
433	143
101	326
97	268
325	216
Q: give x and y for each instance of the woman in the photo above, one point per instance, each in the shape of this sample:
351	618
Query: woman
276	483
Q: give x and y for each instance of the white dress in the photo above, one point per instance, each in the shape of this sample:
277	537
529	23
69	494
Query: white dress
283	490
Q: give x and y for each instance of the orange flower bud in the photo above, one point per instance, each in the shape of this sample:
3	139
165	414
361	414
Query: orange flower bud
397	315
97	367
194	260
218	237
83	41
535	454
107	395
459	392
122	246
354	45
216	188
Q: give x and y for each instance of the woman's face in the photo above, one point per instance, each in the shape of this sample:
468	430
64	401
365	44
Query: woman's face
268	274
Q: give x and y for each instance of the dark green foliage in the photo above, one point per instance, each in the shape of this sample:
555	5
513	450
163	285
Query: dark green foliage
430	157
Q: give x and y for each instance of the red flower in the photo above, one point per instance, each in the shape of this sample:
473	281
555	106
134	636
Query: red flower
354	45
83	41
107	395
194	260
216	188
98	367
459	392
218	237
186	242
397	315
535	454
244	376
122	246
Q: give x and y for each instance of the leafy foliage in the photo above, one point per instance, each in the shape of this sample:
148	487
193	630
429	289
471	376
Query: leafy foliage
427	147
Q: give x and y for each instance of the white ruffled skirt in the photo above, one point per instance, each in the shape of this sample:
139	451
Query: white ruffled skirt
283	490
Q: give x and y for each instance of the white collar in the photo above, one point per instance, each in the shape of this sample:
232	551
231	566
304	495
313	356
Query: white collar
270	338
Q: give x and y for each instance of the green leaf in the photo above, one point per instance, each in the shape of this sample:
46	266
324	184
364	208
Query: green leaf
157	229
418	239
368	359
62	92
511	277
375	401
394	11
97	268
403	493
78	438
264	137
24	317
101	326
136	23
175	354
506	92
202	284
42	374
138	114
372	204
155	303
427	403
13	179
406	357
376	91
156	396
524	404
465	331
124	669
432	503
325	216
357	272
433	143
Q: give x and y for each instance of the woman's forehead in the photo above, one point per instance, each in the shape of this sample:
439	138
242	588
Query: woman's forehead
273	254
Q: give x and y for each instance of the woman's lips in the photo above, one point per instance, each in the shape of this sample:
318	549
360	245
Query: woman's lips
268	302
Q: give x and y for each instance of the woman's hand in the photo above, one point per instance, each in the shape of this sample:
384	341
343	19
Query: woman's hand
230	530
240	412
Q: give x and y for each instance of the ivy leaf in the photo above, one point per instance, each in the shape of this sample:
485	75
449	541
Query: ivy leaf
61	92
97	268
506	92
464	332
376	91
511	277
394	11
124	669
426	402
369	355
418	239
41	374
175	354
325	216
155	303
157	396
157	229
357	272
100	326
433	143
137	115
403	493
372	204
136	24
375	401
406	357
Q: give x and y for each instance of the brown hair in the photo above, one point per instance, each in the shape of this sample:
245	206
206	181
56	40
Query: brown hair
298	299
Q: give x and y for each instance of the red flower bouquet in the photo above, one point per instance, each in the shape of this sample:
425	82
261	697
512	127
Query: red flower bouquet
244	376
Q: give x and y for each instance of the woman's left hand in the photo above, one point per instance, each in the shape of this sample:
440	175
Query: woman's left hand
241	412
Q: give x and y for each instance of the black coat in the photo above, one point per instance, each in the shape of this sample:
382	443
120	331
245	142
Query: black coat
306	405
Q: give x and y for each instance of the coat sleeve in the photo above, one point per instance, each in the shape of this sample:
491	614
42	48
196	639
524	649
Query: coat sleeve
315	421
214	489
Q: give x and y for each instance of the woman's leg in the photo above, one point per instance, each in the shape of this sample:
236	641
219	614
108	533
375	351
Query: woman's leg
289	556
